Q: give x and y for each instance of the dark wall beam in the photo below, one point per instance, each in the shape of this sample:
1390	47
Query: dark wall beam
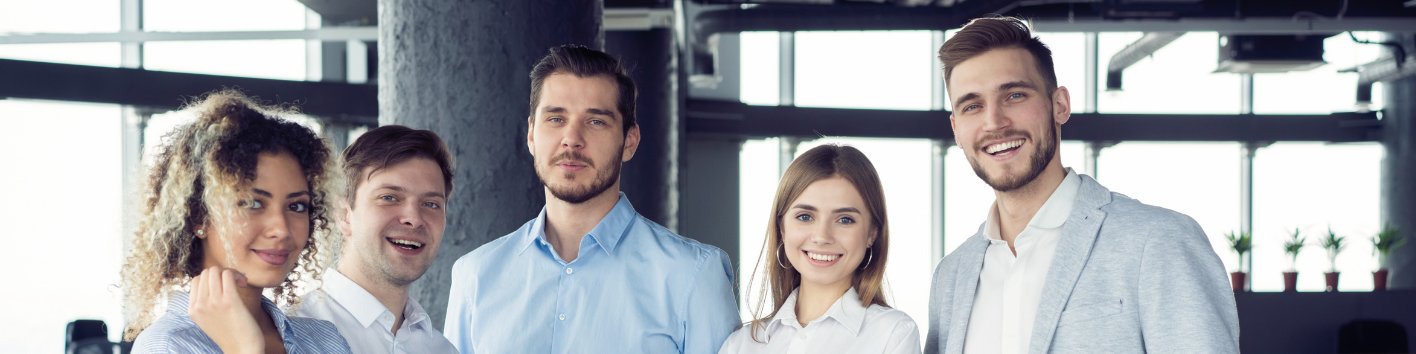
354	104
733	119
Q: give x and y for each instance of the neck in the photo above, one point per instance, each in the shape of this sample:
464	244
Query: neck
393	297
813	300
251	297
1017	207
567	223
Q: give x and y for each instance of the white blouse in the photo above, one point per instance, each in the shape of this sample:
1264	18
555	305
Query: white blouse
847	327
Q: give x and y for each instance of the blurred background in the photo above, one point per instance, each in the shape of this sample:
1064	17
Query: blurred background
1263	118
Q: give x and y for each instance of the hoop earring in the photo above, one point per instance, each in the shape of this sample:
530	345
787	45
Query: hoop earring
868	257
780	263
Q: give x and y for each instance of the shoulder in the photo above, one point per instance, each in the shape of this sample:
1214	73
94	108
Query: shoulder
889	317
172	334
1132	216
739	339
676	248
491	251
320	333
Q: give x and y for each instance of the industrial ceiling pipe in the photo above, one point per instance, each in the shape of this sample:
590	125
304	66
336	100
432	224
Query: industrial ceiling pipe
1141	48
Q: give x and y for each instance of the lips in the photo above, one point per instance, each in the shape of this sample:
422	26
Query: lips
275	257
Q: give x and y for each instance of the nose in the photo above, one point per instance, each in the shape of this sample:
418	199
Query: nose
994	119
822	234
573	136
411	216
277	227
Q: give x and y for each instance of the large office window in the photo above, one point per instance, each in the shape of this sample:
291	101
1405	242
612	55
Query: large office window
1178	78
1326	89
269	59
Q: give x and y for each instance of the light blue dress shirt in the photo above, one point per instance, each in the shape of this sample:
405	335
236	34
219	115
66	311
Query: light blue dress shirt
634	287
175	332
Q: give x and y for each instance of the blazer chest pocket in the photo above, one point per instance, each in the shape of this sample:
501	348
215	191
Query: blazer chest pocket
1090	309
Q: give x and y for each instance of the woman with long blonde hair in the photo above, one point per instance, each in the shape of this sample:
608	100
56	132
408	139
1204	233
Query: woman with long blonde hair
235	203
825	254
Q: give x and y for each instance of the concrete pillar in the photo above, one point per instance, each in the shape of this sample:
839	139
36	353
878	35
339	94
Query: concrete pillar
650	180
1398	181
459	68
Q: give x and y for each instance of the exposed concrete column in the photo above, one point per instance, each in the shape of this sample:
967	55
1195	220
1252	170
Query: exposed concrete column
459	68
1398	181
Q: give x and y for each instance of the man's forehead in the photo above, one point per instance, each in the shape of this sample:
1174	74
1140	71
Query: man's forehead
988	71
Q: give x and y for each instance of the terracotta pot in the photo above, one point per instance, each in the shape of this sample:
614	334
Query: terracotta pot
1290	282
1236	279
1379	280
1331	279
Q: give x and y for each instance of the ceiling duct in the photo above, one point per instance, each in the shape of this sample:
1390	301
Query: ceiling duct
1270	53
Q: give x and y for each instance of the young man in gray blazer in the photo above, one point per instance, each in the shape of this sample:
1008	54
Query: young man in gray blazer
1061	265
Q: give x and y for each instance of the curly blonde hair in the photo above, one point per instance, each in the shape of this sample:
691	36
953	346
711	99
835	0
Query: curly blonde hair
204	170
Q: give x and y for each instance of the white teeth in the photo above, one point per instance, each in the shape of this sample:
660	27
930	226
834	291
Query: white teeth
407	243
822	257
995	148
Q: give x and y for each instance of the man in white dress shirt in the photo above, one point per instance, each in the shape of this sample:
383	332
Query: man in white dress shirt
398	183
1061	264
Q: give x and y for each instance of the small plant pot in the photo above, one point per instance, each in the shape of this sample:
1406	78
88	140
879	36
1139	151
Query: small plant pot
1290	282
1331	280
1236	279
1379	280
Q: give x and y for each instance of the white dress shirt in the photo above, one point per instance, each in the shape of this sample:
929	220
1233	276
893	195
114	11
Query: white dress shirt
1009	286
847	327
365	322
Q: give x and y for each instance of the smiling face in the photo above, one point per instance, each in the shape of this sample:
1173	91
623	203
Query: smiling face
1004	118
577	139
826	232
271	229
396	220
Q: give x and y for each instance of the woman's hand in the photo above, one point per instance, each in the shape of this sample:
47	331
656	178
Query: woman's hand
216	307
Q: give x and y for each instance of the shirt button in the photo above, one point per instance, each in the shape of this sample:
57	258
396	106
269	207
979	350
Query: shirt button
561	317
569	271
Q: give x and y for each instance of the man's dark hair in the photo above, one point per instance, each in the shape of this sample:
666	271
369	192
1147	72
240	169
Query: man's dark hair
389	145
984	34
585	62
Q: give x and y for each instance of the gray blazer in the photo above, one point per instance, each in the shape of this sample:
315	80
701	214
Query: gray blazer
1127	278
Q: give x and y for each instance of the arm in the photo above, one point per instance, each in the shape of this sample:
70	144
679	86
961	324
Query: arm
904	338
1186	304
216	308
457	328
712	312
934	339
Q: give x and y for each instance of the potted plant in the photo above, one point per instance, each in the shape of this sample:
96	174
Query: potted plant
1241	243
1334	245
1385	241
1292	248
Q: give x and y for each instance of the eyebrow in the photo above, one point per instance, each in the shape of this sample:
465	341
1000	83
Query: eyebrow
266	194
838	210
1003	87
596	111
401	189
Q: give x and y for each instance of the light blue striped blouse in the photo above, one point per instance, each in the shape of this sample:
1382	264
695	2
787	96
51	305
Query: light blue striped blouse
175	332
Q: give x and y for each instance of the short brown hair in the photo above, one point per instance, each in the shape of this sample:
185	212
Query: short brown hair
389	145
988	33
585	62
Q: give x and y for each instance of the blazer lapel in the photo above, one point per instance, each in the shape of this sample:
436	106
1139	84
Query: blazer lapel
965	285
1078	236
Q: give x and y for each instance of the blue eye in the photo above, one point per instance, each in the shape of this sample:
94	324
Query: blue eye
970	108
598	122
299	207
555	119
432	205
846	220
1016	96
804	217
388	198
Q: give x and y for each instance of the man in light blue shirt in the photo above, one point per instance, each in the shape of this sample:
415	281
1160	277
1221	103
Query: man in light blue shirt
589	274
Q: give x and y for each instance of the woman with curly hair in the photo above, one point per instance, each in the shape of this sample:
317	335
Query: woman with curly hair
235	203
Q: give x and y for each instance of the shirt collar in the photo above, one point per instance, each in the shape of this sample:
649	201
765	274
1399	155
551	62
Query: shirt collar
846	311
1051	215
359	302
607	234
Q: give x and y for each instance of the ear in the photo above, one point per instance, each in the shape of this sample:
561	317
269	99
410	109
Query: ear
631	143
345	230
531	135
1061	105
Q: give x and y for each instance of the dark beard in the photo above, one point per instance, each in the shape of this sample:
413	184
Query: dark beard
1040	159
601	182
